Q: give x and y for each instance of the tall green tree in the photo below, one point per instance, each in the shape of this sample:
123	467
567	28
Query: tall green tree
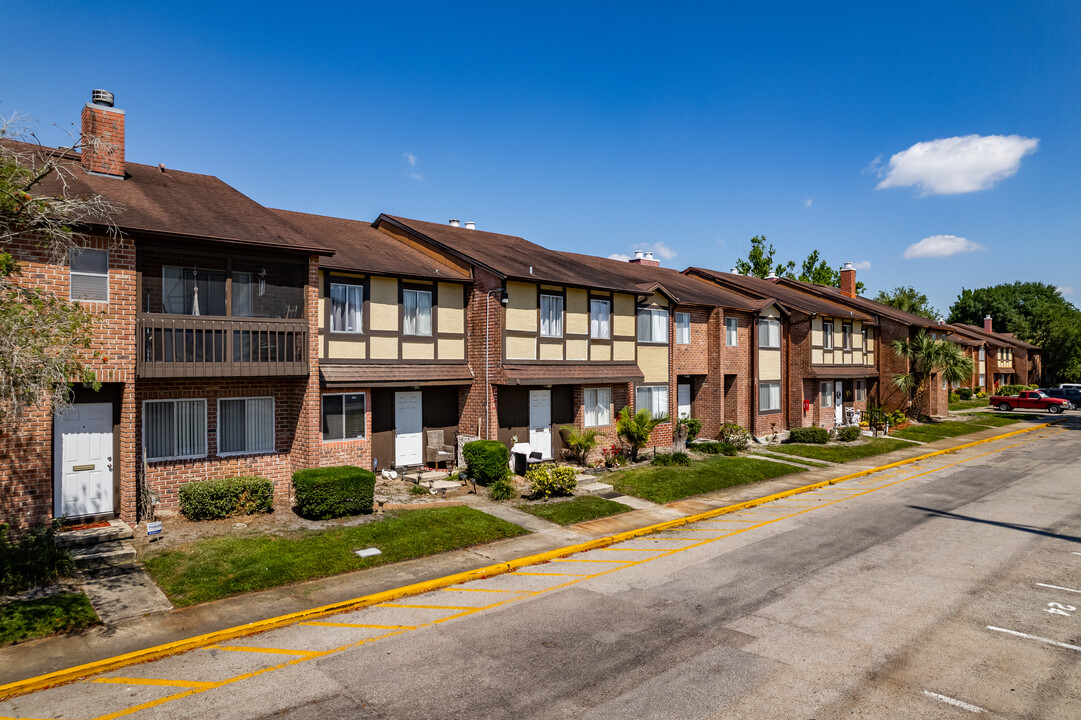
1035	312
909	299
759	261
816	270
925	357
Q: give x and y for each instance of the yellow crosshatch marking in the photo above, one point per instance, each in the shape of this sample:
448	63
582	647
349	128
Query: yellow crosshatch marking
425	607
195	687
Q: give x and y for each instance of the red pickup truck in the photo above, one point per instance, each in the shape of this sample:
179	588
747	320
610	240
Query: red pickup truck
1028	400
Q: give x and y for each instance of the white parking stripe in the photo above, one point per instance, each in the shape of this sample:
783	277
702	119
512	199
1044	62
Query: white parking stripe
955	702
1034	637
1056	587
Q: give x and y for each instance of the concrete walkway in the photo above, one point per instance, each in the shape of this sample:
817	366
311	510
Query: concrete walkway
39	657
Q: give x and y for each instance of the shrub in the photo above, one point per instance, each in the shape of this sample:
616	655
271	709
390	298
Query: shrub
676	458
216	499
954	397
501	490
334	491
1010	389
693	425
734	435
635	429
981	394
33	559
717	448
815	435
487	460
547	481
897	417
580	443
848	434
965	393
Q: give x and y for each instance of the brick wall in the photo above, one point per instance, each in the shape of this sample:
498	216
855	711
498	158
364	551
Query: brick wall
349	452
890	364
476	398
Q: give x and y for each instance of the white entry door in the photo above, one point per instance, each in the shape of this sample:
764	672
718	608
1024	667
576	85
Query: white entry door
408	429
838	402
83	445
540	422
683	401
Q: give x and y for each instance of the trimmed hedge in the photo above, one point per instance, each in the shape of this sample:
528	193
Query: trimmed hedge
551	481
848	434
216	499
334	491
487	460
965	393
716	448
816	435
1010	389
676	458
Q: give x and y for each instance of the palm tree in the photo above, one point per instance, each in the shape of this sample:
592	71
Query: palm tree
927	356
637	428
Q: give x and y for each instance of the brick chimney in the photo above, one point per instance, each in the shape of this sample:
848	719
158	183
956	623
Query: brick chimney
987	323
644	258
848	280
103	135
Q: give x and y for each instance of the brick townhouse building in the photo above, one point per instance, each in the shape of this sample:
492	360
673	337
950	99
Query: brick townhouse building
1000	358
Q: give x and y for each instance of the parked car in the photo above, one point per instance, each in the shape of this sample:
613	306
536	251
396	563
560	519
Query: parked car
1070	394
1028	400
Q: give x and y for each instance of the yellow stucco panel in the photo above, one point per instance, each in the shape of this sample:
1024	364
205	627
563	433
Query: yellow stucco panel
657	300
551	351
771	312
450	312
816	333
521	306
451	349
577	349
413	350
577	311
384	348
600	352
816	356
653	362
857	334
623	314
383	308
857	357
769	365
348	349
623	350
521	348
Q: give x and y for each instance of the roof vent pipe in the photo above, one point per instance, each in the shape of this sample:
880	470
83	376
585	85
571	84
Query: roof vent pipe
848	266
455	223
102	97
734	271
638	255
649	256
470	225
772	275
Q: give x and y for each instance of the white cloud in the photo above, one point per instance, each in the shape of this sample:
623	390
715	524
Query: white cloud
619	256
808	202
657	248
948	166
412	160
862	265
941	246
1065	289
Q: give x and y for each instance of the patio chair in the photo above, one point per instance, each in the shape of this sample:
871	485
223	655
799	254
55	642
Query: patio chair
438	451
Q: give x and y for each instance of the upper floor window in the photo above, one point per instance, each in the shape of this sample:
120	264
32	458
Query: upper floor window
192	291
983	354
551	316
346	305
417	315
863	334
89	278
827	334
731	332
600	312
652	325
683	328
769	333
846	336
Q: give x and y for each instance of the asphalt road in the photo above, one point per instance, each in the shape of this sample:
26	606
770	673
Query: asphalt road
944	589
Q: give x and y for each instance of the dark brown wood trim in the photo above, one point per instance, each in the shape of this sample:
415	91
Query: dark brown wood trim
197	249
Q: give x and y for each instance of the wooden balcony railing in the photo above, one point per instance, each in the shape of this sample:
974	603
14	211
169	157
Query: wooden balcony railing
197	346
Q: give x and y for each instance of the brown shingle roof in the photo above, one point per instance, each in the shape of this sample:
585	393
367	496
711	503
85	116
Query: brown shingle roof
786	295
995	338
360	247
869	306
510	256
177	204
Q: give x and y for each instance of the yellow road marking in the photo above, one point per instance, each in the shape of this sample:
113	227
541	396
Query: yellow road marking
567	560
360	625
150	681
551	574
269	651
425	607
484	590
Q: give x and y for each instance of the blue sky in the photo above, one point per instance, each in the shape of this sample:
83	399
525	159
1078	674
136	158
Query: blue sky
603	128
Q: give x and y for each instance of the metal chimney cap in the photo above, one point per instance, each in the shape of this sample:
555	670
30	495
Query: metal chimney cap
649	256
470	225
102	97
734	271
638	255
847	266
455	223
772	275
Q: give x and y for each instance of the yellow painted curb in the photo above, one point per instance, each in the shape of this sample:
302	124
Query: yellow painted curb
61	677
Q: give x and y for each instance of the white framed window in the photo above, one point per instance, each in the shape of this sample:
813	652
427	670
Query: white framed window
683	328
983	354
825	393
652	325
653	398
88	279
769	333
346	308
944	387
769	397
827	334
551	316
861	390
731	332
846	336
600	313
598	406
245	425
417	312
343	416
983	381
174	429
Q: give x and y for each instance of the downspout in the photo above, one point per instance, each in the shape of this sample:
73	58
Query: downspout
754	373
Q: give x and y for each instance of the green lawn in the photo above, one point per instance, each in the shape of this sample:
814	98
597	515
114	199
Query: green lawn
576	510
665	484
969	404
842	453
952	428
28	619
222	566
998	419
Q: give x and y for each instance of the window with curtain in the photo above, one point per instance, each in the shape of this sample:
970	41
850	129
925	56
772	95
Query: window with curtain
731	332
346	308
683	328
825	392
860	391
652	325
343	416
983	355
863	333
551	316
245	425
600	312
89	275
417	313
827	334
769	397
769	333
846	336
598	406
174	429
653	398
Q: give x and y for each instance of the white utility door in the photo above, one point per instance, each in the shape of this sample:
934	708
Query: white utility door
408	429
683	401
83	443
540	422
838	402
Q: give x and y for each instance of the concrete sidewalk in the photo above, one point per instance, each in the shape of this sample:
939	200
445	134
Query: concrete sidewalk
48	655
